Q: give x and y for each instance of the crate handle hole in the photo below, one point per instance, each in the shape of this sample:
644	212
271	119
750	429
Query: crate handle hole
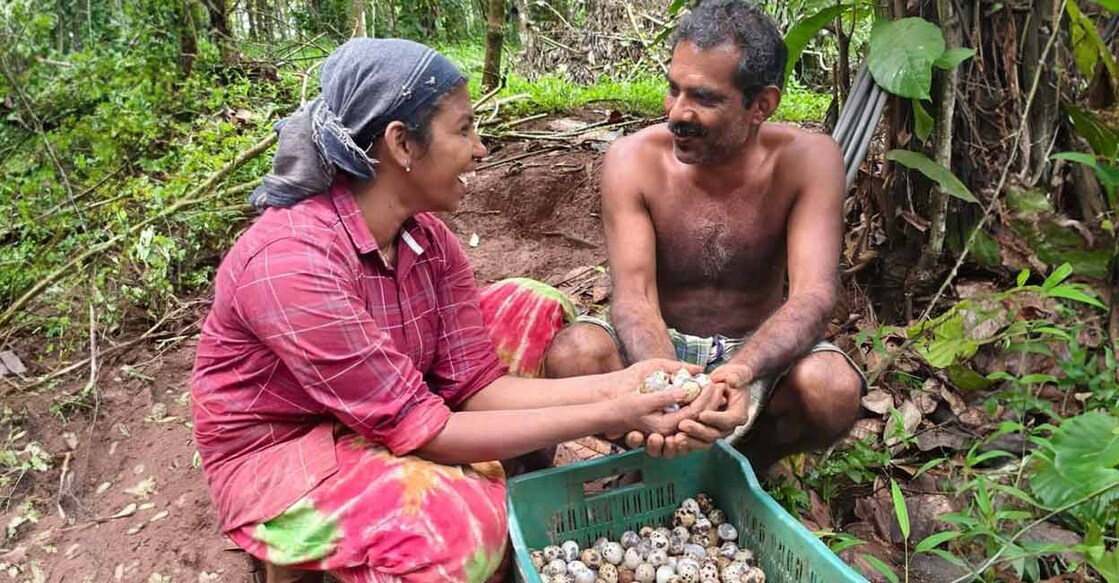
592	488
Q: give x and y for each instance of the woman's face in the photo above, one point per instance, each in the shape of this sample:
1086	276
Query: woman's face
440	173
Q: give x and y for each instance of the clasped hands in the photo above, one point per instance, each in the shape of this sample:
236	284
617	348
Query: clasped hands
715	413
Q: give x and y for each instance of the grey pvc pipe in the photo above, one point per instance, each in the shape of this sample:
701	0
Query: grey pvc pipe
864	145
855	100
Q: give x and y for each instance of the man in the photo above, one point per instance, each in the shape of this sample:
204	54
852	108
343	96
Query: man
704	217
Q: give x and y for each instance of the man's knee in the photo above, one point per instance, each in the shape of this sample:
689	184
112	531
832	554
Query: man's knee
829	391
581	349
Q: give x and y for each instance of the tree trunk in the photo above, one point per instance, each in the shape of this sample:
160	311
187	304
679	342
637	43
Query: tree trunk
524	26
188	37
371	19
392	18
357	18
495	21
938	198
250	11
843	63
1045	115
218	11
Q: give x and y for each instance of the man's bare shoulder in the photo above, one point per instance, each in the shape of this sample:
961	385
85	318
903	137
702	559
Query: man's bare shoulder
646	146
797	144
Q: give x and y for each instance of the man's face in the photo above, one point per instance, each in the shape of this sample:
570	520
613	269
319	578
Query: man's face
704	108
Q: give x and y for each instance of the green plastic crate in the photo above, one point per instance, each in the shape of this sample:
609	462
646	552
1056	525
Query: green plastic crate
549	507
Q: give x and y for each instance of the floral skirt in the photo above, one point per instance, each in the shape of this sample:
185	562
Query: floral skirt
384	518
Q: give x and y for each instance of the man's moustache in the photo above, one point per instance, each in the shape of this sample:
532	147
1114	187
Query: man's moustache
686	130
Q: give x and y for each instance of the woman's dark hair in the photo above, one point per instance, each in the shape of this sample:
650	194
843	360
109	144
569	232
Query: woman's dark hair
419	127
715	22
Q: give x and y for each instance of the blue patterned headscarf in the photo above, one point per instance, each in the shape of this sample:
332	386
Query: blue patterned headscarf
366	84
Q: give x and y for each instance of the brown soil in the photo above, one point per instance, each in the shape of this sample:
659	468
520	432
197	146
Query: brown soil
132	456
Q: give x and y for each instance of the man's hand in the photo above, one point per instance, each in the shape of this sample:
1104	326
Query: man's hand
737	383
690	435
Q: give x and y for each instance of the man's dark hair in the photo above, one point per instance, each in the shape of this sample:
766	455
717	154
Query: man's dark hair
715	22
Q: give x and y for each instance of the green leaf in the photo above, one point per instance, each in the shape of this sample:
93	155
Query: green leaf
881	567
804	30
899	509
1107	565
1084	50
1023	277
1071	293
843	542
1081	157
927	166
1103	139
963	377
944	353
1111	5
902	53
1086	41
953	57
1081	459
935	540
922	121
947	556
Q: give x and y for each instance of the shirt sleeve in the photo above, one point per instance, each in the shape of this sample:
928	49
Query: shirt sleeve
301	303
466	360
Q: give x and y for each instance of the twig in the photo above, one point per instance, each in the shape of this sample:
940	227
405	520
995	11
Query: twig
520	156
92	384
1012	157
578	241
520	121
488	96
62	485
195	196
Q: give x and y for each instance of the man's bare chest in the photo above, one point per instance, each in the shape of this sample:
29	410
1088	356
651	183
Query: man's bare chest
733	243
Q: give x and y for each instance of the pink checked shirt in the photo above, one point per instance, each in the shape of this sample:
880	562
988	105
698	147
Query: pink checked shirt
310	328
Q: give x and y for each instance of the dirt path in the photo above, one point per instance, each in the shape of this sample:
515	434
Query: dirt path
124	500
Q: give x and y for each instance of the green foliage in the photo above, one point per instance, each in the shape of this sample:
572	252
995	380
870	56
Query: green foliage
902	53
798	36
1080	465
1087	46
934	171
956	335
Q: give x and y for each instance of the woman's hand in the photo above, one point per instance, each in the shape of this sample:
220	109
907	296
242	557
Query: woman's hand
689	435
631	378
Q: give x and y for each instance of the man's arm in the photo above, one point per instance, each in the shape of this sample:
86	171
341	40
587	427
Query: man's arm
631	249
814	239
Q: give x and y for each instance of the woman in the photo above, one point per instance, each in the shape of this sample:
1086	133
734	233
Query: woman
348	401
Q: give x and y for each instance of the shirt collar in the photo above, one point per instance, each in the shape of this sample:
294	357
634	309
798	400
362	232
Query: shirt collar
354	222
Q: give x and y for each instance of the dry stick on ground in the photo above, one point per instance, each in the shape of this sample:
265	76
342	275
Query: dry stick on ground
192	198
1013	155
520	156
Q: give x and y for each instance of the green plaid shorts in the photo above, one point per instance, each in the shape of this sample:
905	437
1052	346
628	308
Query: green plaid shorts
711	352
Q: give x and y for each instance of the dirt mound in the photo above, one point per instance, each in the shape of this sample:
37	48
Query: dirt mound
535	217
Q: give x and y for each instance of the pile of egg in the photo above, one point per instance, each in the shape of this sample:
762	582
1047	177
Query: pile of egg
682	380
702	547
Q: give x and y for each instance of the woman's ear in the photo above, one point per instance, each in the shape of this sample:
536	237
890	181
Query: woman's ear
396	144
